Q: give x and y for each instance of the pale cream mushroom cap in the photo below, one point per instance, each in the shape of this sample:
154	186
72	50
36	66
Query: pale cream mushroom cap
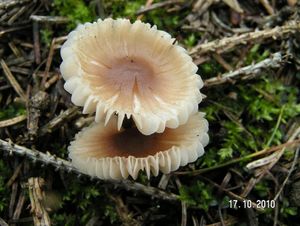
133	70
107	153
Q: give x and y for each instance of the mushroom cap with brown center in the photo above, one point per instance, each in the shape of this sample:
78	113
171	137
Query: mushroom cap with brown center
133	70
107	153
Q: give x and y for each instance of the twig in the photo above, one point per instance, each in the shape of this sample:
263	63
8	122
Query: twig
19	206
148	3
245	158
183	205
151	191
221	216
2	32
122	210
276	127
278	18
201	6
230	220
49	19
164	180
37	103
14	49
222	61
36	42
15	175
256	178
234	4
266	160
289	174
276	212
14	191
48	63
51	81
267	6
57	121
17	15
233	195
157	5
2	222
37	195
9	3
12	121
272	62
37	156
12	80
61	164
226	44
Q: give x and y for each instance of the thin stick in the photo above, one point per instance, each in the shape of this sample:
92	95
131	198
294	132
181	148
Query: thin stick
267	6
148	3
2	222
2	32
17	15
12	80
49	19
36	42
19	206
245	158
37	195
259	175
12	121
272	62
289	174
157	5
7	4
48	63
57	121
232	195
276	127
15	175
183	205
61	164
226	44
14	191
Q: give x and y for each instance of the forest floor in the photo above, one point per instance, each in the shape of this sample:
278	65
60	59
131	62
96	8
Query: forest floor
248	54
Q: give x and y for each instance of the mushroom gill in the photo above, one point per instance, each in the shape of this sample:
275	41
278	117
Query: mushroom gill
133	70
109	153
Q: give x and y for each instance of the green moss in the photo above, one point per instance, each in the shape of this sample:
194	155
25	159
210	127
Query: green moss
111	213
210	69
46	36
76	10
262	189
198	195
256	54
249	122
286	210
123	8
131	7
63	219
128	9
190	40
11	111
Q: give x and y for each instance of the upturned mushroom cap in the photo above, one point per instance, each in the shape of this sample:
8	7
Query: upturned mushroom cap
107	153
133	70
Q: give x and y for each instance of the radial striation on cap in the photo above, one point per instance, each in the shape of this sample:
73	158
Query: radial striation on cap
107	153
132	70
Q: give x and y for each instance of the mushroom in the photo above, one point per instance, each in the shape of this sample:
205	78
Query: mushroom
107	153
132	70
